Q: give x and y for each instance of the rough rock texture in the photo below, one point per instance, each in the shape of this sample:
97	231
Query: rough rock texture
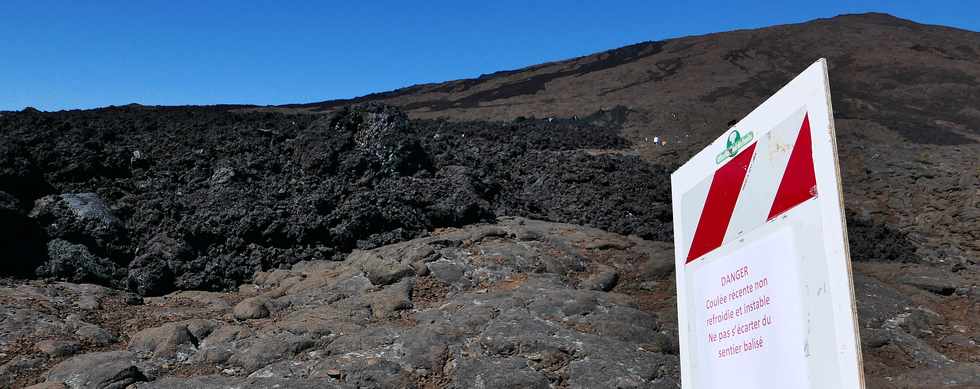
252	308
105	370
75	263
514	312
220	382
914	336
205	209
80	217
518	303
58	348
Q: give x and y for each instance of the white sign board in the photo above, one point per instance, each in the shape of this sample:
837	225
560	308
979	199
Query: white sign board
764	291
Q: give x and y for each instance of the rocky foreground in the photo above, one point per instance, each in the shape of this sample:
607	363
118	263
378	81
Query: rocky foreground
518	303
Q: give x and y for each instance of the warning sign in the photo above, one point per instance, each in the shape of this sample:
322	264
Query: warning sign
763	274
749	315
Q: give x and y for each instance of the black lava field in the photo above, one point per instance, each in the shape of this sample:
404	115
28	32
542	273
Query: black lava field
158	199
161	199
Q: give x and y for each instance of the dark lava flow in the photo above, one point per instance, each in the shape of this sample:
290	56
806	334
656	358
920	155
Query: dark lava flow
158	199
200	198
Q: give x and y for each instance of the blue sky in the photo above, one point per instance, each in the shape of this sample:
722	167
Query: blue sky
82	54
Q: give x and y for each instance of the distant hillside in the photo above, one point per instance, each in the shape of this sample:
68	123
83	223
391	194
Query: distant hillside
894	69
905	94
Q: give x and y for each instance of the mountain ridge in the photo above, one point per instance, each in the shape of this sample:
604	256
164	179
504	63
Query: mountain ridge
483	77
652	47
904	98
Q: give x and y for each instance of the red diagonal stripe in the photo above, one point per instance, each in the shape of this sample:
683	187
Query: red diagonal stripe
799	182
718	206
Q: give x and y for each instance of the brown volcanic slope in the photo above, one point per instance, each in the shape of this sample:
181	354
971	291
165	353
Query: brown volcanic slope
906	96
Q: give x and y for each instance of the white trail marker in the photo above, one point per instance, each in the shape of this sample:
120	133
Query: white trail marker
764	291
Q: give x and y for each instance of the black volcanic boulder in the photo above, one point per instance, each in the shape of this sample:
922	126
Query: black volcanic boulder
150	278
75	263
150	274
383	135
82	218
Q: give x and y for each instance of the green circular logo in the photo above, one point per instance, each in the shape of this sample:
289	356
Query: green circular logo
733	143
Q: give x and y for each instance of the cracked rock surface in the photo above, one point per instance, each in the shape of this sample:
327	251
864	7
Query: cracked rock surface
519	303
509	304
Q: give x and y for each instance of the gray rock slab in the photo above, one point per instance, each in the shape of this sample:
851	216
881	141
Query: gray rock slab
100	370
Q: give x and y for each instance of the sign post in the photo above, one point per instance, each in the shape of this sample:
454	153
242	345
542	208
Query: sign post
764	291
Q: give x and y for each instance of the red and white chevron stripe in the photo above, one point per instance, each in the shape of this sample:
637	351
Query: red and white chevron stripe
764	180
